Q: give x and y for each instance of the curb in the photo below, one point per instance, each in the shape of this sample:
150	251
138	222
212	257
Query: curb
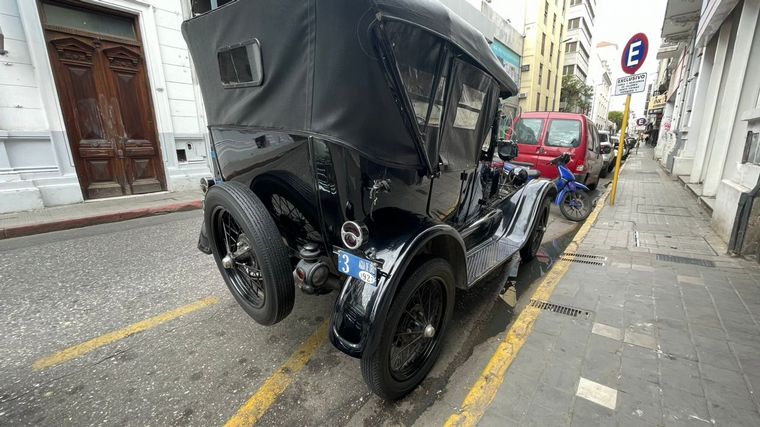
65	224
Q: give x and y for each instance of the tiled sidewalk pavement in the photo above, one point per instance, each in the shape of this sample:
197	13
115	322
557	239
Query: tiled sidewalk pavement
666	343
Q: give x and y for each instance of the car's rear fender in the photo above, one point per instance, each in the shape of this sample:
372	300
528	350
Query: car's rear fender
361	309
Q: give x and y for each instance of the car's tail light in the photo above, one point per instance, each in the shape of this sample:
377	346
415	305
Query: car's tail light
353	234
581	167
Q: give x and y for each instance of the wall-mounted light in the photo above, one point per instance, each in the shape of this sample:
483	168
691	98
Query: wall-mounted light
2	43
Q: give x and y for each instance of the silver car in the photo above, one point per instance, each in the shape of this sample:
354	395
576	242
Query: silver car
608	158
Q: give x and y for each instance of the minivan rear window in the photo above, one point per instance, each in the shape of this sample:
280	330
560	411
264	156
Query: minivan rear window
564	133
527	131
604	137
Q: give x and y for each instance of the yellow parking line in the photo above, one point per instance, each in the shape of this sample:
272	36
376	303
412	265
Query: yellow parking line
88	346
273	387
482	393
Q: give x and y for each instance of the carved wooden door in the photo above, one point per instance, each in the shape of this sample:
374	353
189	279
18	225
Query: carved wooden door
108	113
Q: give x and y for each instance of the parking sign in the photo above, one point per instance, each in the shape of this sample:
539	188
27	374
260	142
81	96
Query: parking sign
634	53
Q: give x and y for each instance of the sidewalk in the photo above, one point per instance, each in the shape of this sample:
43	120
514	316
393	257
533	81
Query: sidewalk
667	332
93	212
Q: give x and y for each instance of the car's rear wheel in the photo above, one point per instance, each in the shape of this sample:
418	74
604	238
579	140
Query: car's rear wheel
415	327
529	251
249	252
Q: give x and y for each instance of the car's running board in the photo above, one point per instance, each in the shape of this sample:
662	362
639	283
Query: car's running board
487	257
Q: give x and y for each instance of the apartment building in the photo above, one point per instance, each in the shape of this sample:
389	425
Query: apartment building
542	59
578	42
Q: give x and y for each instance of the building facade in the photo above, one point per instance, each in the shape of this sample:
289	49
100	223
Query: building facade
710	131
97	100
600	79
505	39
579	39
542	61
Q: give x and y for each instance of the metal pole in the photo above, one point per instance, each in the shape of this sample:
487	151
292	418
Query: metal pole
621	148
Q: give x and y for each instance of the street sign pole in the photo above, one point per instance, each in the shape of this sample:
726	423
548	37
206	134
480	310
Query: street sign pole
621	148
634	54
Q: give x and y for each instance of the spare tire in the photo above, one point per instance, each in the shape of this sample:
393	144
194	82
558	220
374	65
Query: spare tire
249	252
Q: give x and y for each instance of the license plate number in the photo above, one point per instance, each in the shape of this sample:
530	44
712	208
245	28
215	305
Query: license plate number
357	267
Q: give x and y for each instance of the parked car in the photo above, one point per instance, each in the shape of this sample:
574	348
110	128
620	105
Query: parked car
608	159
392	202
616	144
543	136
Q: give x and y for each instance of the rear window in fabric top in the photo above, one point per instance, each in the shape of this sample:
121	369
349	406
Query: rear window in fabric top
241	65
564	133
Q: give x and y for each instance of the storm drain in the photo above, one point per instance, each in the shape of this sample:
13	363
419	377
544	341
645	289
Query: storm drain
685	260
560	309
583	258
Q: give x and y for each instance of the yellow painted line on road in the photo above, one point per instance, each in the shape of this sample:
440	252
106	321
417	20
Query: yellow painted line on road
483	392
275	385
103	340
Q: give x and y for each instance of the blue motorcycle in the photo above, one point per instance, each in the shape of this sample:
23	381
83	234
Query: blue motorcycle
572	198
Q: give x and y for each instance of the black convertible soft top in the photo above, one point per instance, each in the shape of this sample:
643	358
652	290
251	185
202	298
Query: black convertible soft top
318	71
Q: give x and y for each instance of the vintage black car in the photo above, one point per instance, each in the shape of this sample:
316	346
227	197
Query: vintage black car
352	144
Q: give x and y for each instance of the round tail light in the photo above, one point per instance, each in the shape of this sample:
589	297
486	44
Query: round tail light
353	234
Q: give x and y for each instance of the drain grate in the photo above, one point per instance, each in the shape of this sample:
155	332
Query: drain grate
685	260
560	309
583	258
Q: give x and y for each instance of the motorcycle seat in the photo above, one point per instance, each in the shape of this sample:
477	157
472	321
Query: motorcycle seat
533	173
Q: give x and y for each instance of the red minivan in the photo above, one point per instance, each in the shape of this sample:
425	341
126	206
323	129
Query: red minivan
542	136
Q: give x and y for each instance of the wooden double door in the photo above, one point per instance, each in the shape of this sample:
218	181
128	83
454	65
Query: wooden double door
108	112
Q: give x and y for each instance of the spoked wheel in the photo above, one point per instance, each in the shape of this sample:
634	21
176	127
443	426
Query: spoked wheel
293	219
576	206
415	325
249	252
292	204
529	251
239	261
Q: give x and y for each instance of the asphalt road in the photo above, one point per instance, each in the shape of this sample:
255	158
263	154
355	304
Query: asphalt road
117	288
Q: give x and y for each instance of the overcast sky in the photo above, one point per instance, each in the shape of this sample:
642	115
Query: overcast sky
616	22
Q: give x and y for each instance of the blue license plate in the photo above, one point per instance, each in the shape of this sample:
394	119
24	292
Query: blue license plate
357	267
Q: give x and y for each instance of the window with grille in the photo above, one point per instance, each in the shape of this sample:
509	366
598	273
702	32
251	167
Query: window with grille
543	42
752	148
540	73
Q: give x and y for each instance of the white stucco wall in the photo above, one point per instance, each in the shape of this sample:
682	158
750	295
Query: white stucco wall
36	164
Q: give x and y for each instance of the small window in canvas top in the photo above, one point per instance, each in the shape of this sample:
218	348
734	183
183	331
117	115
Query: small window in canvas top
240	65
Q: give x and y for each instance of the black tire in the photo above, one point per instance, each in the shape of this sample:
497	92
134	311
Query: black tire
381	378
603	173
292	205
529	251
592	185
579	213
261	279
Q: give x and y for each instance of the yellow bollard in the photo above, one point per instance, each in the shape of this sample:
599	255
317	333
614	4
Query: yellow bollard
621	148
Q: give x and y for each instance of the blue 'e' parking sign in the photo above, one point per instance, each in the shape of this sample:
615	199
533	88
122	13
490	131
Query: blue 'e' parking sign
634	53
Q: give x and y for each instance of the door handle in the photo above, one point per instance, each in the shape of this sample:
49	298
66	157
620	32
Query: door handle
120	153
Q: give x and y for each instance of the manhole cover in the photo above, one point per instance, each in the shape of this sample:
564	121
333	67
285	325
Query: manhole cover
583	258
685	260
662	210
560	309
